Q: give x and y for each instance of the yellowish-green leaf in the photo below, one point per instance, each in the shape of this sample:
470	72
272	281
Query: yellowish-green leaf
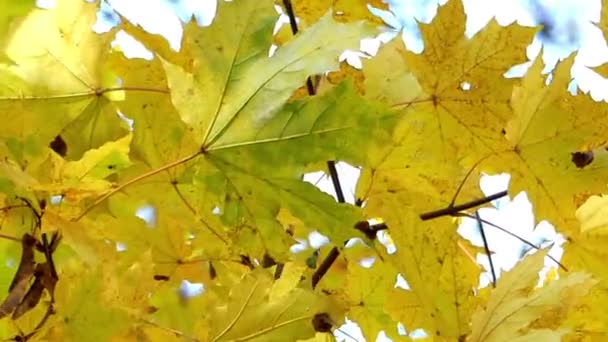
88	176
244	88
58	74
84	315
11	10
399	86
251	316
367	294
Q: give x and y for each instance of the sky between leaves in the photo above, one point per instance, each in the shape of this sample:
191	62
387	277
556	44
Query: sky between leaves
221	138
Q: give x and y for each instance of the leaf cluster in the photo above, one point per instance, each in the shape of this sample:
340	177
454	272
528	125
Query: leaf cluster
121	178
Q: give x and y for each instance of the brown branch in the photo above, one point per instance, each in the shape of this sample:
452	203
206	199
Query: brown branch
325	266
454	210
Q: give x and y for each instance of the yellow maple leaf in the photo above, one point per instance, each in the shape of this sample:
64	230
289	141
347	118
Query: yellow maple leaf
515	303
58	62
310	11
546	132
455	103
250	315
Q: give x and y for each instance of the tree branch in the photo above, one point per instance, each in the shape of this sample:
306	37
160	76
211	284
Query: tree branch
453	210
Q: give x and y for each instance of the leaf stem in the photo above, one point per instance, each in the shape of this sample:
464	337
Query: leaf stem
335	252
8	237
152	90
195	213
135	180
238	315
83	94
171	330
269	329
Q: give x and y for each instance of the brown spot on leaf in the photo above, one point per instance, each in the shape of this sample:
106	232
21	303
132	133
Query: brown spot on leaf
212	271
322	322
582	159
59	146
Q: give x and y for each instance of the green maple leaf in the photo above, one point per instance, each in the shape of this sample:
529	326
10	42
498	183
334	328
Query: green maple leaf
253	148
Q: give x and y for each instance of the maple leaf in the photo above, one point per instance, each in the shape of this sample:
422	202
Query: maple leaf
84	312
546	132
251	315
343	10
514	304
200	178
61	69
231	97
585	249
367	292
454	106
584	252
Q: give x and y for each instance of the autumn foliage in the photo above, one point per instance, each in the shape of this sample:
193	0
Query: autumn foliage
213	141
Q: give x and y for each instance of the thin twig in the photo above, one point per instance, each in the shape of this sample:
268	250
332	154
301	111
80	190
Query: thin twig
8	237
464	180
453	210
486	247
333	173
513	235
10	207
294	29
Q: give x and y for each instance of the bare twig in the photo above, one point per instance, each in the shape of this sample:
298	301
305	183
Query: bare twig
453	210
513	235
486	247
